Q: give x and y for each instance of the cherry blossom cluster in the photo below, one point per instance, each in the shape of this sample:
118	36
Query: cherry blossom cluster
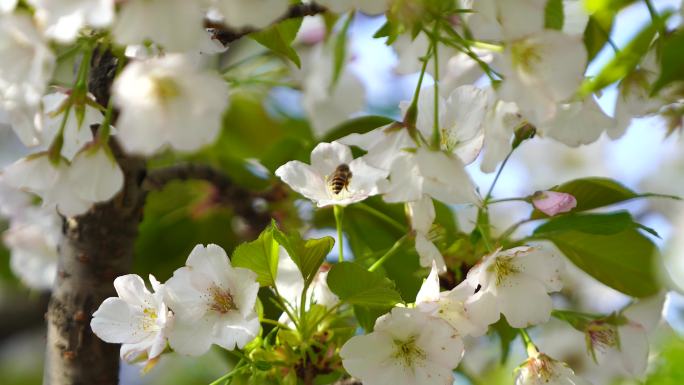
208	301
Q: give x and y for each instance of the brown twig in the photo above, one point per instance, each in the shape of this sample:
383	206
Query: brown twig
241	200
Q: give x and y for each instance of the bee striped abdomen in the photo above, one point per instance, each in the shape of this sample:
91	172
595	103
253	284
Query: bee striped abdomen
340	178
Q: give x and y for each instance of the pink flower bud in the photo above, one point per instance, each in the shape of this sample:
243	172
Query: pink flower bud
552	202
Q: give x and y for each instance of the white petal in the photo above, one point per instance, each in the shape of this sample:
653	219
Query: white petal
131	288
192	338
543	265
429	290
235	331
523	301
634	349
304	179
95	175
325	157
113	322
429	253
422	213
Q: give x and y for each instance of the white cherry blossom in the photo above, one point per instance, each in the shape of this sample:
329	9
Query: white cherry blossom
137	318
383	145
8	5
519	280
93	176
62	19
542	70
627	341
460	120
33	238
577	123
75	136
469	313
251	13
506	20
422	214
176	25
315	181
168	101
213	303
439	175
406	347
26	65
541	369
328	104
501	120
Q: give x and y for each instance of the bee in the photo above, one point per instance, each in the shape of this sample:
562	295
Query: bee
339	179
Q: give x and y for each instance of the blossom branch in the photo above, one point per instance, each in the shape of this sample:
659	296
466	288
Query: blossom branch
239	198
226	34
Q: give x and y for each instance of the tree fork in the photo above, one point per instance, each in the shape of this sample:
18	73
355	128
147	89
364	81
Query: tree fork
97	247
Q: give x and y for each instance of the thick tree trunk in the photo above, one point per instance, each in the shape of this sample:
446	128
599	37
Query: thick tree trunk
97	247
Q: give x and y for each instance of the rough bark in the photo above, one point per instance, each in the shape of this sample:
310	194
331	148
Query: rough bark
96	248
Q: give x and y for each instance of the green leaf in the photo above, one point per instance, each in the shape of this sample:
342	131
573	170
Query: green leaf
596	35
278	37
609	247
260	256
592	193
671	61
360	125
366	316
357	286
554	16
307	254
626	59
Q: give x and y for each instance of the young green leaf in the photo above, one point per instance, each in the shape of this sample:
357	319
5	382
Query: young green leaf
671	61
609	248
359	125
279	37
626	59
260	256
594	192
307	254
357	286
554	17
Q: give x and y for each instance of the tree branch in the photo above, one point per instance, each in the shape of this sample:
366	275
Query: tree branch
240	199
226	34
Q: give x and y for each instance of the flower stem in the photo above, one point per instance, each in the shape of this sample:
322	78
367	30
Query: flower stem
412	111
520	199
382	216
532	350
339	211
435	59
496	178
388	254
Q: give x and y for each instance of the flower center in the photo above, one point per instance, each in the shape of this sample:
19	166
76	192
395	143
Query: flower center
165	88
525	56
602	336
149	321
540	367
503	267
223	301
408	352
